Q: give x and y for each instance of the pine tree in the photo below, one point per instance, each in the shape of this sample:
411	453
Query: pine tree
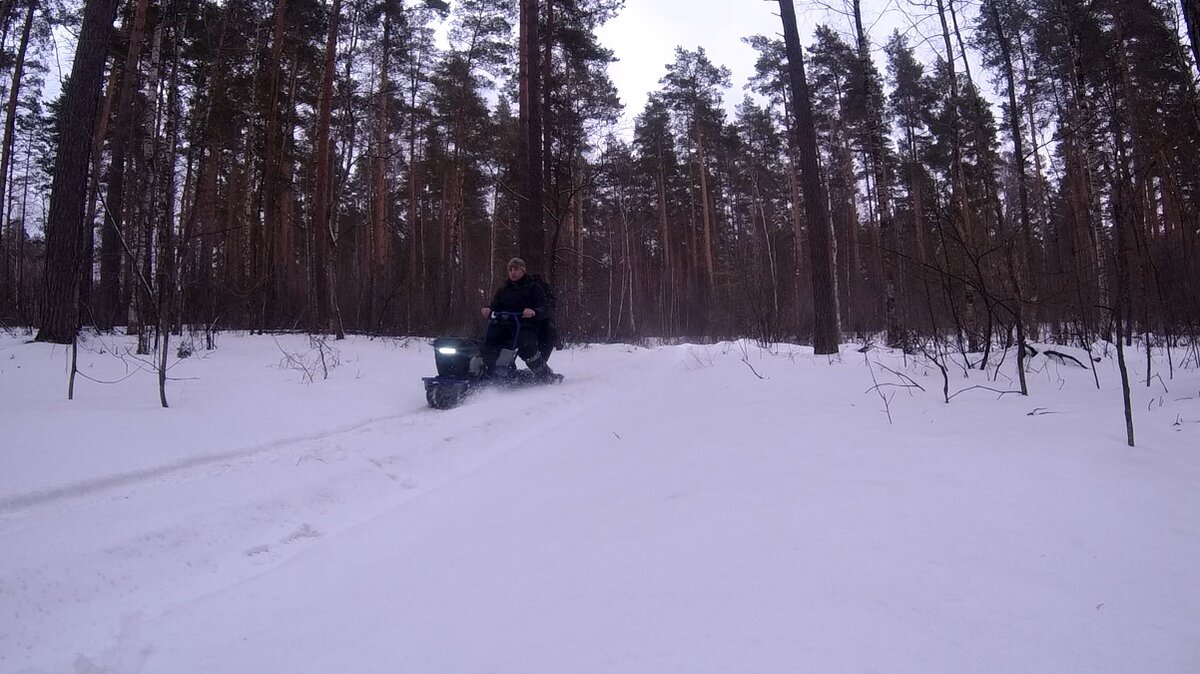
826	323
692	90
65	226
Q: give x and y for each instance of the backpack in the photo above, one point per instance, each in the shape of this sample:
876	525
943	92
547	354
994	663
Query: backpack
548	337
551	300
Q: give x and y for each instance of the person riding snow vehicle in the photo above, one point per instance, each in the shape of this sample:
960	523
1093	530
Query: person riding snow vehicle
524	296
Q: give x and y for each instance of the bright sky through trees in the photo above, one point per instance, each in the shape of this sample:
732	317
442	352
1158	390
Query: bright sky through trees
646	32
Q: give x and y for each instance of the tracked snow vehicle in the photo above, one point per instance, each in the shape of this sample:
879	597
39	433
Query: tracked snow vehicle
462	365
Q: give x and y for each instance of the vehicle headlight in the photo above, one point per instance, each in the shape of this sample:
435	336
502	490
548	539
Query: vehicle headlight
447	350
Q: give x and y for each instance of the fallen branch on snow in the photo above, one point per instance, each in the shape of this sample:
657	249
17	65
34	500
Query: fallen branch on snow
1061	357
986	388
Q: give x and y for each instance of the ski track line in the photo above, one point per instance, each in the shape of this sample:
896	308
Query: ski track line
516	441
14	504
512	443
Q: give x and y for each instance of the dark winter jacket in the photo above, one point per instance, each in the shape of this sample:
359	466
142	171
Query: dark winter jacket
521	295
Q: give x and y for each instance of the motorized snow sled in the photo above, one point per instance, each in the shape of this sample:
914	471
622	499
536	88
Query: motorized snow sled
462	364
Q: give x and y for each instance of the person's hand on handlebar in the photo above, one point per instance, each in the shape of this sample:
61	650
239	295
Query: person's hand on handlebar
528	313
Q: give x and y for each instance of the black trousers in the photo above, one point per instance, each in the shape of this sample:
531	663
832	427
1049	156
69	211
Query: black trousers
503	334
547	338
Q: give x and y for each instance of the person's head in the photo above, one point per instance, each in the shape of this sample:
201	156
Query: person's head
516	269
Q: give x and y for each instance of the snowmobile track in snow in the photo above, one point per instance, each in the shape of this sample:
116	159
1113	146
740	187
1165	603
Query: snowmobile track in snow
14	504
13	507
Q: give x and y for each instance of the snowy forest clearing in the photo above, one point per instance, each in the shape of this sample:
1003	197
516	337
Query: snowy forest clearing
690	509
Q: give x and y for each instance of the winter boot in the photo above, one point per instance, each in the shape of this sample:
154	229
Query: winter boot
541	371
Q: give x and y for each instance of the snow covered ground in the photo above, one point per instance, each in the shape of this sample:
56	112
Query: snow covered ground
679	509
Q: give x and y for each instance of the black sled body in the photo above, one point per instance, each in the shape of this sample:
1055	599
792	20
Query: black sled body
461	371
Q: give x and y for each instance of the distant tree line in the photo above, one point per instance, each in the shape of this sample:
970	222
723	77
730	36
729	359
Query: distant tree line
328	167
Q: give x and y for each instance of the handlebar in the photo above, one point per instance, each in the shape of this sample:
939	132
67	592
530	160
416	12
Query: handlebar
514	316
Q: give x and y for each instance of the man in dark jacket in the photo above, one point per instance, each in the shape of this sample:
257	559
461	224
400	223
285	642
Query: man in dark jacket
519	295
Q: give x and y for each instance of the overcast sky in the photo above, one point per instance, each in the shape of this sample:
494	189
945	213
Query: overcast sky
645	34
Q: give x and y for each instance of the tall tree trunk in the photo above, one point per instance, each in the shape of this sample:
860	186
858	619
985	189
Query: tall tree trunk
848	258
630	277
1015	266
202	214
529	153
705	211
342	263
1091	264
669	297
379	210
269	235
292	282
546	35
691	261
172	249
6	9
416	247
1014	124
10	123
323	241
108	303
1191	17
1125	205
965	222
1043	202
888	251
962	48
21	294
149	188
758	207
795	204
1121	310
825	305
65	226
87	291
